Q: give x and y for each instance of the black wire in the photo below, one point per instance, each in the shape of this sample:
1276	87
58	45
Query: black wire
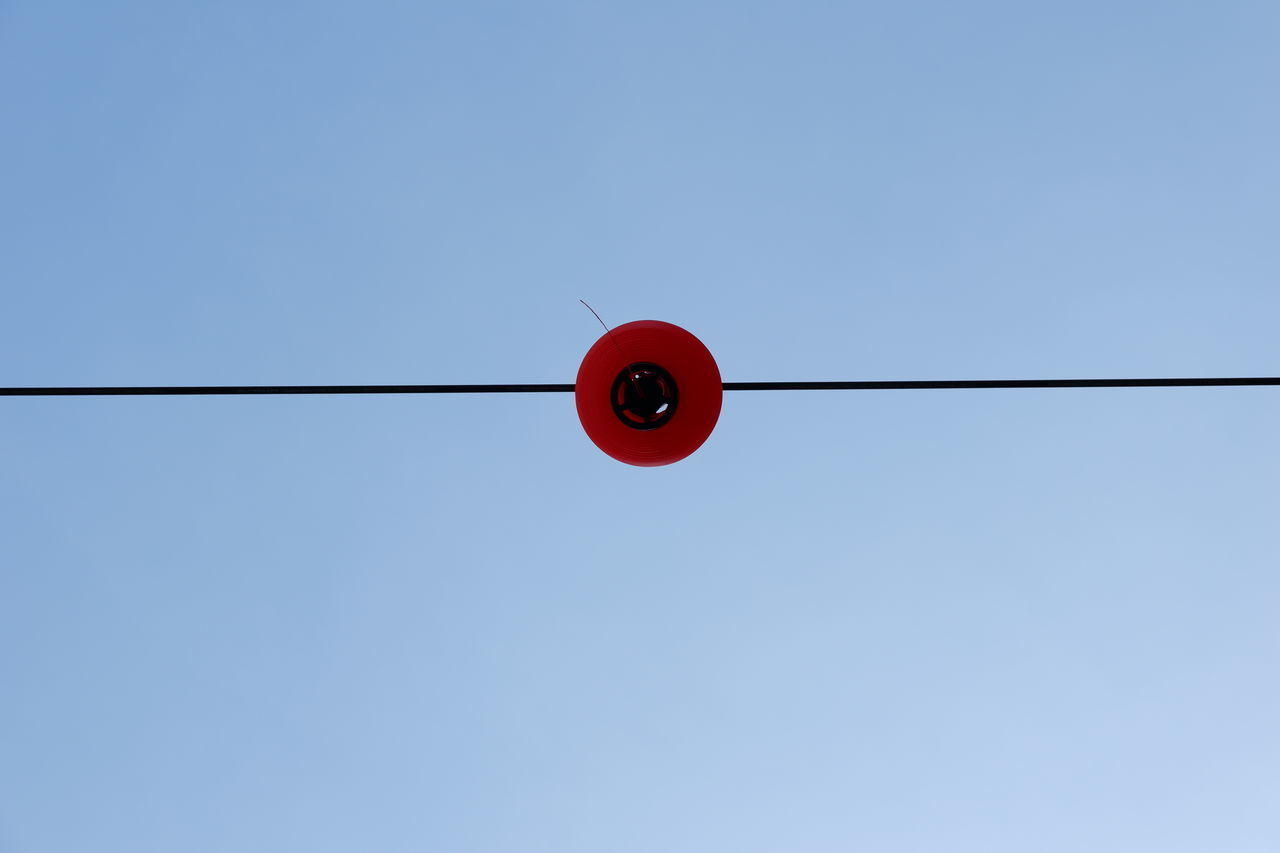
998	383
222	390
181	390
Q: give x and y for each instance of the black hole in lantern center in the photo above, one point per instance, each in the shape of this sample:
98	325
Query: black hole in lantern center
644	396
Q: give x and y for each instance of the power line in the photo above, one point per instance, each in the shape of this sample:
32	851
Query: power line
228	390
998	383
225	390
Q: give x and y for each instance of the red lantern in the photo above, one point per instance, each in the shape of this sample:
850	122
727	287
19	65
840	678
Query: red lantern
648	393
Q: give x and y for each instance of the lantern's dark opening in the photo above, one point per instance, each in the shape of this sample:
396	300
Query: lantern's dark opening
644	396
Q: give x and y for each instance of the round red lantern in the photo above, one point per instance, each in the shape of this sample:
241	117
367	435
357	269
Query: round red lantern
648	393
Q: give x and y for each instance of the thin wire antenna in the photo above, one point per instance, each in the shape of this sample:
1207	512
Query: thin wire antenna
630	364
593	311
607	330
909	385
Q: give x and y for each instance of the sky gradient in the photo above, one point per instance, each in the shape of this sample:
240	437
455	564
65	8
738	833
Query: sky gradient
891	621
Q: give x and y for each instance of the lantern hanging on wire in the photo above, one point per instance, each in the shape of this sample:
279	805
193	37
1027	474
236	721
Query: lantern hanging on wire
648	393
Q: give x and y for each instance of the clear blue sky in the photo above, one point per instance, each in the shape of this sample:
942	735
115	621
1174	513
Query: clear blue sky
889	621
